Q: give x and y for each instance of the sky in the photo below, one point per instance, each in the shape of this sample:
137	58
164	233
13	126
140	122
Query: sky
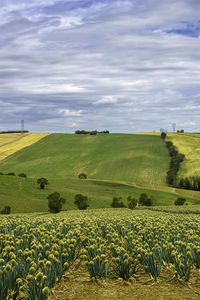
120	65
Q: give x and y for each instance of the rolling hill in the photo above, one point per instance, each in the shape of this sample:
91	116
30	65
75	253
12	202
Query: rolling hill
25	196
188	144
132	158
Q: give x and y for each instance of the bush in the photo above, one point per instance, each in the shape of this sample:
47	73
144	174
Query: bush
11	174
132	202
55	202
144	200
82	176
6	210
163	135
179	201
42	182
22	175
81	201
117	202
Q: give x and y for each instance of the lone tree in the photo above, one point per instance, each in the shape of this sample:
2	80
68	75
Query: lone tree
82	176
55	202
163	135
132	202
81	201
42	182
6	210
179	201
22	175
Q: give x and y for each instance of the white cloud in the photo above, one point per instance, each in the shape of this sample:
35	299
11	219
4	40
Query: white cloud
68	112
107	100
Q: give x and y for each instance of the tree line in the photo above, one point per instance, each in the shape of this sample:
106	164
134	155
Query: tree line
14	131
93	132
190	183
175	161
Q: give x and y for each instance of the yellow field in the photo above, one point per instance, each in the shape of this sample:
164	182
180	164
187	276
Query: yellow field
12	142
188	144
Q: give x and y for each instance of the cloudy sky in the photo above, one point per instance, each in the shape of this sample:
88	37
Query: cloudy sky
121	65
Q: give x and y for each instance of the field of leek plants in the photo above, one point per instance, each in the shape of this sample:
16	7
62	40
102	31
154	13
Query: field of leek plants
37	250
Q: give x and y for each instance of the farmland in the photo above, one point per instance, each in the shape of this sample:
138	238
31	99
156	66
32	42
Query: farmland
12	142
24	194
118	249
131	158
188	144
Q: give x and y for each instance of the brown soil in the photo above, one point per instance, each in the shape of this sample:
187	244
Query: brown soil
80	287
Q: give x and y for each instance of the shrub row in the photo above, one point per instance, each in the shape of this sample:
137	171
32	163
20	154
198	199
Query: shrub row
176	159
13	174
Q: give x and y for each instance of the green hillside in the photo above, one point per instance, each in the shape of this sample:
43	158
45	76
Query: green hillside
24	195
188	144
132	158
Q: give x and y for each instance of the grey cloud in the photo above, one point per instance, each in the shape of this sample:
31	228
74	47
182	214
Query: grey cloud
119	58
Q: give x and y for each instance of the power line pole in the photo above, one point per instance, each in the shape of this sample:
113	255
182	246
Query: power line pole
22	126
174	127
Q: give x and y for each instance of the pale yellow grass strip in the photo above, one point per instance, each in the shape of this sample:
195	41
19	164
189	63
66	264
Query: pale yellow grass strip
12	142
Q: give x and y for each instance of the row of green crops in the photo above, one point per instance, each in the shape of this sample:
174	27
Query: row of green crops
35	251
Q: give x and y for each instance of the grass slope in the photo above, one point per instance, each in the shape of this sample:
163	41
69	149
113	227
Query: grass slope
188	144
12	142
25	196
125	157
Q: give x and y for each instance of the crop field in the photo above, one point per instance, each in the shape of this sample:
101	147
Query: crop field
124	157
25	196
119	250
188	144
12	142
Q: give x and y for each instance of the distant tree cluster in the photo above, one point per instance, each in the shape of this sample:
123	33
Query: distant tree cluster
14	131
13	174
180	131
144	200
93	132
190	183
176	159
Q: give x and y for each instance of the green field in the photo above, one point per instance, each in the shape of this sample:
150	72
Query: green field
132	158
188	144
24	195
116	165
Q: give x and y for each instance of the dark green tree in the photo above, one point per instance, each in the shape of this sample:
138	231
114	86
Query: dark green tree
42	182
81	201
163	135
145	200
132	202
82	176
6	210
55	202
22	175
179	201
117	202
